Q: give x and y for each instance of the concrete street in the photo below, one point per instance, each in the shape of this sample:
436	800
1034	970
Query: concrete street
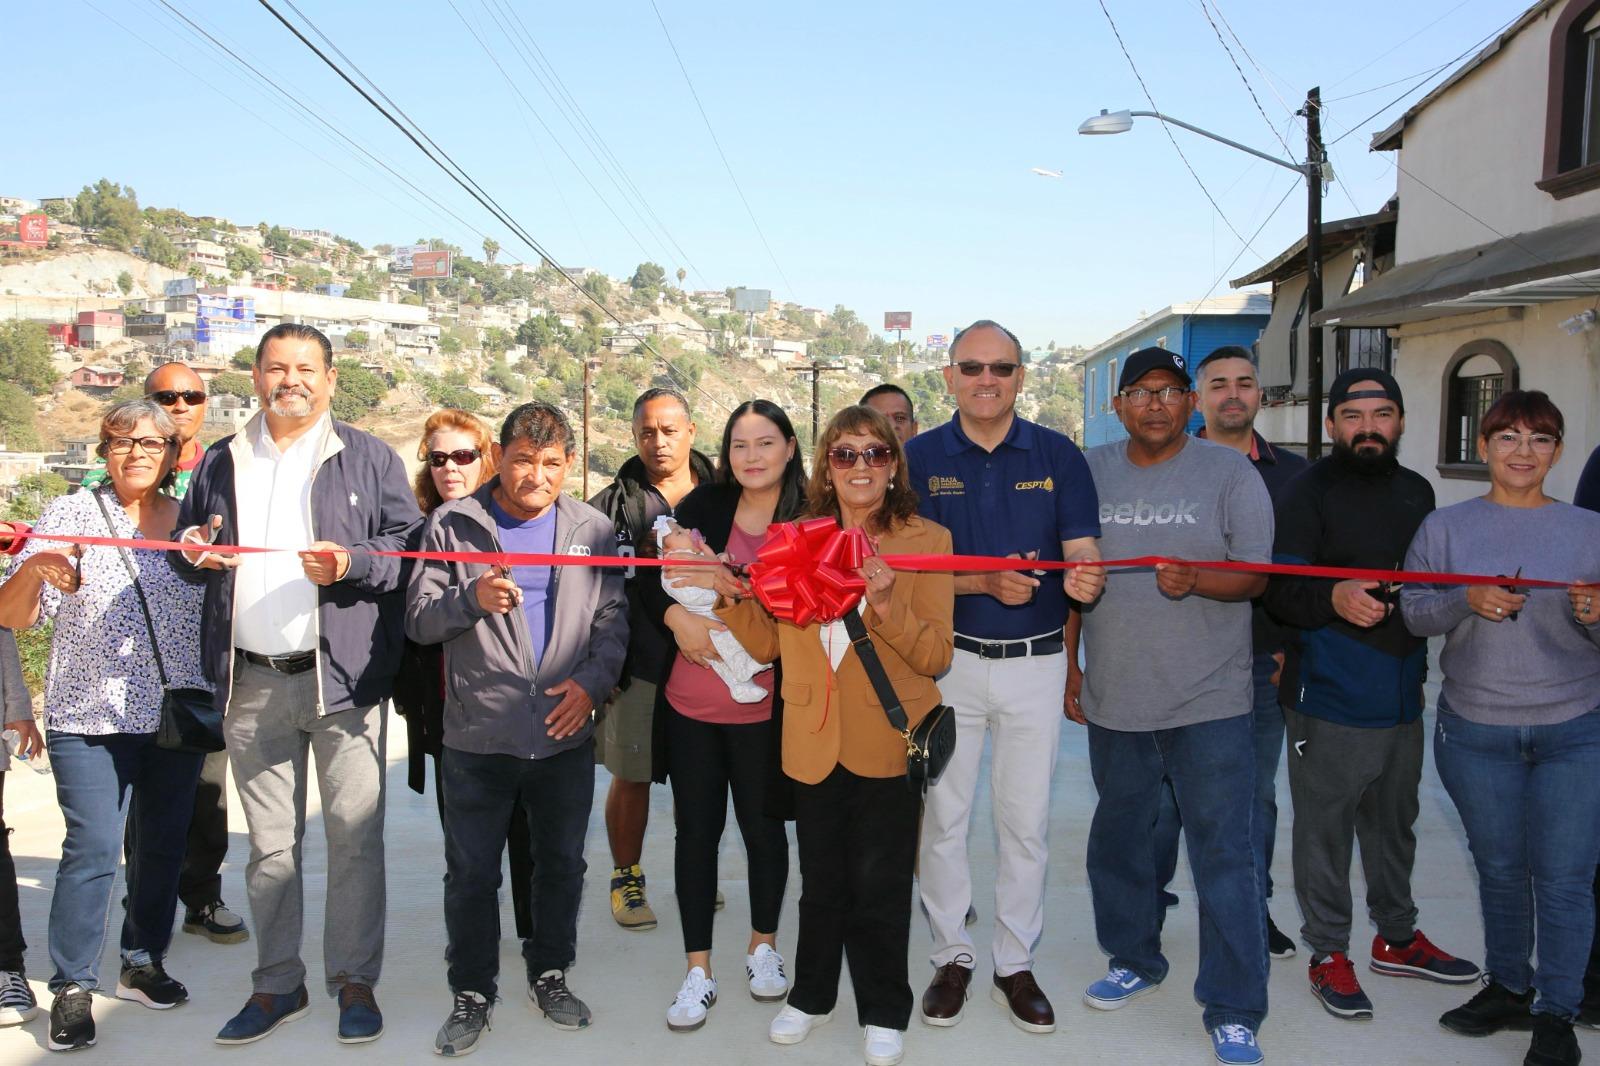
628	978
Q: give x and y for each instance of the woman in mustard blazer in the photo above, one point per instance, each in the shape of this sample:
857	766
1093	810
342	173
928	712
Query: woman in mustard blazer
855	815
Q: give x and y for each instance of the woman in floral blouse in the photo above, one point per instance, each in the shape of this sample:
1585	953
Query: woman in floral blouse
102	704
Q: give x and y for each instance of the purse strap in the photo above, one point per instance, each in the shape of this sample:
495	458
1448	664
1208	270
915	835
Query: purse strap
870	662
133	576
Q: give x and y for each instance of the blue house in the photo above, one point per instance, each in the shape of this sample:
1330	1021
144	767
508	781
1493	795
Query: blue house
1192	329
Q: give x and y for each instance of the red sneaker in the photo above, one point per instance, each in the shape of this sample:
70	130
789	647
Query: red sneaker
1334	983
1421	958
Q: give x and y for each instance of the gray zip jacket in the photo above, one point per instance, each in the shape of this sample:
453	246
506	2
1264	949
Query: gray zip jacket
494	699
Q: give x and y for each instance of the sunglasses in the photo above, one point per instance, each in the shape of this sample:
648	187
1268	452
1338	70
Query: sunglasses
461	457
876	455
971	368
168	397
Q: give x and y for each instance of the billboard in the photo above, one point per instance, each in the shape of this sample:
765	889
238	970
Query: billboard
753	300
938	340
34	230
401	257
896	320
430	264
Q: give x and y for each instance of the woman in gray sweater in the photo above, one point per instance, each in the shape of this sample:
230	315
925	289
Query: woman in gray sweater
1518	738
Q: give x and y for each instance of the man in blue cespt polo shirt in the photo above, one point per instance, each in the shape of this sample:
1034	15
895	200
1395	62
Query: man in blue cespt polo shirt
1002	486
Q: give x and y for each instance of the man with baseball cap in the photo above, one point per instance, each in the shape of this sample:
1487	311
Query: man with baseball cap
1352	694
1166	695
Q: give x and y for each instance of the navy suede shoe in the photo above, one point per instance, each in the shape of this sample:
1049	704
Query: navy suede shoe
263	1013
360	1020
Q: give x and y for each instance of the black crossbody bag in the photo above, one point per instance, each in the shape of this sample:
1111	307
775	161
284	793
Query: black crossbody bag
928	746
190	720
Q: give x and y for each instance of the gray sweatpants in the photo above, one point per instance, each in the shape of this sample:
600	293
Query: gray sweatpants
270	727
1349	783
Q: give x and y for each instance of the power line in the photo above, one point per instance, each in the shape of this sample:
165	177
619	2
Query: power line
1244	247
1266	75
1205	9
724	155
1402	42
457	174
1175	146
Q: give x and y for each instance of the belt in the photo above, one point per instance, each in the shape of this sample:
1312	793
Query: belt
1010	649
294	663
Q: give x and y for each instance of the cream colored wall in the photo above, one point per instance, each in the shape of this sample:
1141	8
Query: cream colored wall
1482	145
1566	367
1274	344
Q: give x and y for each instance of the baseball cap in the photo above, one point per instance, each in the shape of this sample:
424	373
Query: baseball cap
1145	360
1364	383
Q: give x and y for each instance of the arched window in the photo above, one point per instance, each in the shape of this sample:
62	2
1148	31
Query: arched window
1572	108
1475	377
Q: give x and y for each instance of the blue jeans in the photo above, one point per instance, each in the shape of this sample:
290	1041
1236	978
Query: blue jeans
1212	769
480	791
100	780
1268	718
1528	801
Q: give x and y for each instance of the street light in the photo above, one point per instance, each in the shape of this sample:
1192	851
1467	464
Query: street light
1314	171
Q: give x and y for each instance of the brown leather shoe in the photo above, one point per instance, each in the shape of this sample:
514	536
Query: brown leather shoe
1026	1003
946	996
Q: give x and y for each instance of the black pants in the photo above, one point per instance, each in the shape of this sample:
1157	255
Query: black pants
521	859
704	763
858	843
12	946
556	794
200	880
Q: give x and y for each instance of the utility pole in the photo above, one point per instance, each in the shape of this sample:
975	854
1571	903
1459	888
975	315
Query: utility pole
586	364
815	370
1315	169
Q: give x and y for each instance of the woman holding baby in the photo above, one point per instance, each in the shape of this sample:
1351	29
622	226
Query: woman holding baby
715	734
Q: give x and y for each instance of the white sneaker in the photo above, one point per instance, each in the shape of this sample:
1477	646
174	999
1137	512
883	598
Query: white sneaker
792	1025
696	996
883	1047
765	971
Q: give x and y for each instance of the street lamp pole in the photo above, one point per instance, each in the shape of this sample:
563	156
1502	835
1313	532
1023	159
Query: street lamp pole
1314	170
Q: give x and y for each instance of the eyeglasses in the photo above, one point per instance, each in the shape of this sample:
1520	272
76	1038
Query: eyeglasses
1538	443
1141	397
844	457
168	397
971	368
461	457
149	445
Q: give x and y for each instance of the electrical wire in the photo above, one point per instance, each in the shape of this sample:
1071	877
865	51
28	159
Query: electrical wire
789	287
1403	42
1205	9
1245	247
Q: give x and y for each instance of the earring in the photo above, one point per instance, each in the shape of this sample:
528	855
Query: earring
891	483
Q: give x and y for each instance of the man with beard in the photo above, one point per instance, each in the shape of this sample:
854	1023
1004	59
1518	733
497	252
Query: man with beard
301	648
1352	694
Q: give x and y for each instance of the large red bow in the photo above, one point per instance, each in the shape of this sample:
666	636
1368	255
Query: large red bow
806	571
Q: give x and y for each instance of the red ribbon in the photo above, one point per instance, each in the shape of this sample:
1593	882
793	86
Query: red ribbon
806	571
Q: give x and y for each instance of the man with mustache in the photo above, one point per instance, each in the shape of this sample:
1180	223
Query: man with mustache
301	647
1352	694
1230	396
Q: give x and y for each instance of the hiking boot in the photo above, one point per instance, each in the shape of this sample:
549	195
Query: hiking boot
947	993
459	1034
1279	944
150	985
551	997
696	996
1554	1043
216	923
764	970
1333	981
628	904
261	1015
71	1019
17	1004
1421	958
360	1020
1494	1008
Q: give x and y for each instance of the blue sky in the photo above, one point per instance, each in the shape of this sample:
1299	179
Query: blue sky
884	148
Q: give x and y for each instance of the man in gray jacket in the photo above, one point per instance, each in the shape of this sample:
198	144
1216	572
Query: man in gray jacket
530	652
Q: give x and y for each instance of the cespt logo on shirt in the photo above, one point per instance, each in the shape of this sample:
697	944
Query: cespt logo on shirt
1142	512
1048	485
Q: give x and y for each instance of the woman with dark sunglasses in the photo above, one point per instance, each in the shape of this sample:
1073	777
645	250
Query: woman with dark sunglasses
1517	741
457	456
707	744
855	814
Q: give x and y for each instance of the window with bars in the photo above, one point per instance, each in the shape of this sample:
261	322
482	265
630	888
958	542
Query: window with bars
1477	375
1363	348
1471	397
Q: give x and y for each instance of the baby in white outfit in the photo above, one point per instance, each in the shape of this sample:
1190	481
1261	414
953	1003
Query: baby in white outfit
736	667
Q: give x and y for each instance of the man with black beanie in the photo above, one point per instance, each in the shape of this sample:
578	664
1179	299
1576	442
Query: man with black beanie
1352	693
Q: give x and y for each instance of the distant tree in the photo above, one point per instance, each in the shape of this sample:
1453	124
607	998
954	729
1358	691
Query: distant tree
504	378
359	390
16	419
300	246
25	356
31	493
244	358
363	287
113	211
158	248
547	275
496	341
682	273
491	248
647	276
277	240
242	257
135	370
59	210
229	383
383	249
450	344
356	338
125	282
